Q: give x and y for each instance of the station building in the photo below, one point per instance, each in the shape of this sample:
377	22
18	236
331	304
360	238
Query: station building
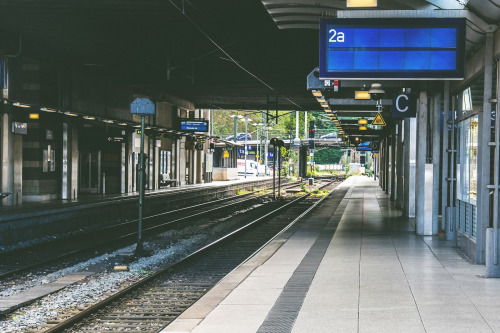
67	130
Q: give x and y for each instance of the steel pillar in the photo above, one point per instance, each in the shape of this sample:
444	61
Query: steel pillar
444	166
423	225
387	156
492	236
436	140
7	153
483	159
70	162
451	222
394	141
400	167
406	169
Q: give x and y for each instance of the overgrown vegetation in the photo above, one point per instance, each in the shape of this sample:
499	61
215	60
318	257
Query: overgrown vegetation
319	193
241	191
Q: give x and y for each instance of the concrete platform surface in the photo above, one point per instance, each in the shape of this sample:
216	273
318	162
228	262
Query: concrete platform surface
10	303
359	269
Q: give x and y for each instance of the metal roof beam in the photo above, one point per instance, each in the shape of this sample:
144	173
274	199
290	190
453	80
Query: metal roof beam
316	3
347	101
449	13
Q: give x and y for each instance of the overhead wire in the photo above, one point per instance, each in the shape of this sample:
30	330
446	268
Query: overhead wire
200	29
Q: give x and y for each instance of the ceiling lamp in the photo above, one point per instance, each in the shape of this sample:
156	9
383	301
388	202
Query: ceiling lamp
317	93
48	110
362	128
361	3
362	121
21	105
34	116
325	105
88	117
321	100
376	91
70	114
107	121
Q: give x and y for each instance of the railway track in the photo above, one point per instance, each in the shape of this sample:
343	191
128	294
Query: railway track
116	235
152	303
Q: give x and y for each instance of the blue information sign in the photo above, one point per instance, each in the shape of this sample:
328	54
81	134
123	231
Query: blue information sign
194	125
142	106
392	48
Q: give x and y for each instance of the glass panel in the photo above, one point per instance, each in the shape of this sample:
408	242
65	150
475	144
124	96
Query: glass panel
473	159
466	217
163	161
467	100
474	221
461	216
460	162
467	138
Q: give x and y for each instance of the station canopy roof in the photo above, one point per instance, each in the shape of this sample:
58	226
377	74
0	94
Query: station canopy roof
227	54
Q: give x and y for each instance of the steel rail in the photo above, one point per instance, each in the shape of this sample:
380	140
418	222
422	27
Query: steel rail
130	235
99	305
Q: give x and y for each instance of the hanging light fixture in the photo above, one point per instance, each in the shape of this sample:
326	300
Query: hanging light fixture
362	128
362	121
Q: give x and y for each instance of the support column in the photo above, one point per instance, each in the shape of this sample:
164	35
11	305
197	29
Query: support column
123	168
183	161
7	152
387	173
69	187
189	166
451	220
400	195
410	151
423	194
381	165
444	167
394	141
492	253
180	162
436	140
151	158
483	157
192	166
200	157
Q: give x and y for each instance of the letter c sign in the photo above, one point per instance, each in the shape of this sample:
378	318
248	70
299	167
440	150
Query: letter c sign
404	106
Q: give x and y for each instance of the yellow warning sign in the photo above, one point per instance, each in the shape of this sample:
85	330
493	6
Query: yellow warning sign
378	121
226	153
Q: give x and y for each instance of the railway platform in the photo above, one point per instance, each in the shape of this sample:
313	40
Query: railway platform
354	265
31	221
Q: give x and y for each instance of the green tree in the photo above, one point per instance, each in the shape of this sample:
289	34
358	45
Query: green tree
328	155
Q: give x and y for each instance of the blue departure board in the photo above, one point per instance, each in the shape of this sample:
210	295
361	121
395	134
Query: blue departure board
392	49
194	125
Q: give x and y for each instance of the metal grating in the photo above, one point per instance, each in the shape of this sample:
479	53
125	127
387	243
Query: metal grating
282	316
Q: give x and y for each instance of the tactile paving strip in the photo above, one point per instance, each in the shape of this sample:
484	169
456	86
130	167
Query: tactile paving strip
283	314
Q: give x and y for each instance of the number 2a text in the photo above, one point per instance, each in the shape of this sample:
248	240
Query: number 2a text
336	36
